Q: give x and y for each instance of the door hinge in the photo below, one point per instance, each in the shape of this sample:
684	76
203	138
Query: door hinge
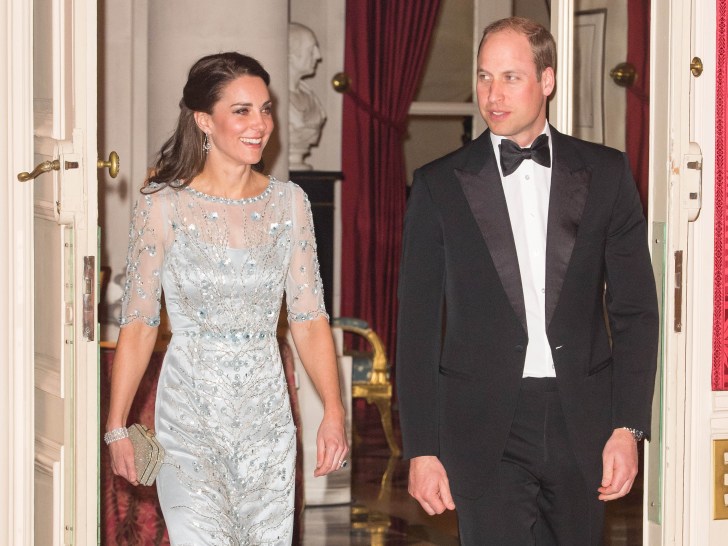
691	182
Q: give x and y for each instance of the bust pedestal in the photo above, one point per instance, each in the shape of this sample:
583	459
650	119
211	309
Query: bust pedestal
334	488
322	188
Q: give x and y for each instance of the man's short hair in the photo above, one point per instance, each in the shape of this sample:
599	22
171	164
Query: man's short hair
543	45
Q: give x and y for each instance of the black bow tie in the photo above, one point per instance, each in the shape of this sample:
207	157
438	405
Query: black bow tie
512	155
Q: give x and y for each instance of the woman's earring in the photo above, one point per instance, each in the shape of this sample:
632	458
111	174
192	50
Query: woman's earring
206	144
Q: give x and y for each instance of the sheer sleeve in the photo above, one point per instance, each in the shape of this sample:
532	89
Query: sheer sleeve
143	286
304	289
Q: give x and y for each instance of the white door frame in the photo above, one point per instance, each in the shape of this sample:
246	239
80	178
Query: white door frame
86	382
708	411
669	119
16	276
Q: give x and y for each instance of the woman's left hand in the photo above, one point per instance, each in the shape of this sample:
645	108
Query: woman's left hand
331	445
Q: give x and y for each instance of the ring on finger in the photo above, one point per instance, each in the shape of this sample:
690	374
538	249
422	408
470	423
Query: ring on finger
343	463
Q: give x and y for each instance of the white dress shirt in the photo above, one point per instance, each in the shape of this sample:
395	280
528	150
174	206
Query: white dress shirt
527	197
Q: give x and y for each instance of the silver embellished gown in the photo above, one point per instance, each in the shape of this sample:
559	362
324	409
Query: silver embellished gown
222	410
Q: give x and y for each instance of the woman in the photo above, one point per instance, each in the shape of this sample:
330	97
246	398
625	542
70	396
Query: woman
224	242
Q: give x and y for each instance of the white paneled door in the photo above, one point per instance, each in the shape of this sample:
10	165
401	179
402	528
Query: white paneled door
63	174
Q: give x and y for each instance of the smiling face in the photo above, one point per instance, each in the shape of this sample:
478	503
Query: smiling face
511	98
241	122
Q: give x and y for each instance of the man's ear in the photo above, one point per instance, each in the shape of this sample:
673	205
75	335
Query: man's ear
203	121
548	81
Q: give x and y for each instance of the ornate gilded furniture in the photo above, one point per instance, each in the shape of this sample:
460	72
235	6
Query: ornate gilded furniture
370	375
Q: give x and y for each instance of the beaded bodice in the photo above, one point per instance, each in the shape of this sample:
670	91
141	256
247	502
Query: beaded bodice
223	263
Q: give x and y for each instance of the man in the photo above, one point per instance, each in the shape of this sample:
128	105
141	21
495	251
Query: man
519	405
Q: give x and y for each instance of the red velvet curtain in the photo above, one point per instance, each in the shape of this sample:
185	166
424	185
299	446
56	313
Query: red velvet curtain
638	95
720	289
385	52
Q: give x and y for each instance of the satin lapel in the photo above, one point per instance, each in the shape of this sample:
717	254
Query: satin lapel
484	193
569	188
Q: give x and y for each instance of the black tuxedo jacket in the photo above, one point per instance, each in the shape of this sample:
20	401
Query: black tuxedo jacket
462	332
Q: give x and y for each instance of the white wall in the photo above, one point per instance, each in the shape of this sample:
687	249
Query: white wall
533	9
615	52
122	94
182	31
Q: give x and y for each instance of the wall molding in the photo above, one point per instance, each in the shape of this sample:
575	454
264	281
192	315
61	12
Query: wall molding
16	275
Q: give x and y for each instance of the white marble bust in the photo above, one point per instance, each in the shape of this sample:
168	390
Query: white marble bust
306	115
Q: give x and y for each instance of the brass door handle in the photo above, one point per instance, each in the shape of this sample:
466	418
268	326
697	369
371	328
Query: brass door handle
44	167
624	74
696	67
341	82
112	164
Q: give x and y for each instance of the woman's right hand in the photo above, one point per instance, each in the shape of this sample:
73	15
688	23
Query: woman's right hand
122	460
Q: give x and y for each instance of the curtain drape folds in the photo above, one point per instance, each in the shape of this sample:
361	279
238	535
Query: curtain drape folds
386	48
720	288
638	96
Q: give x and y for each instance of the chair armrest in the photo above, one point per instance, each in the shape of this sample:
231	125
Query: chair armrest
340	322
379	358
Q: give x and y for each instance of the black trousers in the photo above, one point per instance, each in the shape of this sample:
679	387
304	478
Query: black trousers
540	498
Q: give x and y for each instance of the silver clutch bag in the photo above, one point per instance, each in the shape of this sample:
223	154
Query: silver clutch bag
148	453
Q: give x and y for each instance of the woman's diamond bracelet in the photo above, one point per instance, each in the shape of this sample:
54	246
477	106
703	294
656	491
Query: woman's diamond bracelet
115	435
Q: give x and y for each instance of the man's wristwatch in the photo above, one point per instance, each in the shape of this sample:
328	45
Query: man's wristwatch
638	435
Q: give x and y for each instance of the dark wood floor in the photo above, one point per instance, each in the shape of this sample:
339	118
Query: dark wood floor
383	514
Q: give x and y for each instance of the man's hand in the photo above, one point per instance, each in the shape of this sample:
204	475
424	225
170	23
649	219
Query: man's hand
428	484
620	465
